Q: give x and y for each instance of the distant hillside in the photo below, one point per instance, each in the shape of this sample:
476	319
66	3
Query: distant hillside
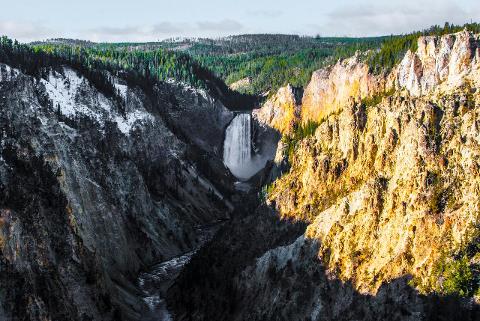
269	61
140	66
65	41
272	61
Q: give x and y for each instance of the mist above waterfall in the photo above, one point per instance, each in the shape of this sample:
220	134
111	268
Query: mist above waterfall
237	149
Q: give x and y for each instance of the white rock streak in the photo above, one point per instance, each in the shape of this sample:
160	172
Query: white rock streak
65	92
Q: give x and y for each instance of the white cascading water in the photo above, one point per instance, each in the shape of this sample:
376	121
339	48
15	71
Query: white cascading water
237	148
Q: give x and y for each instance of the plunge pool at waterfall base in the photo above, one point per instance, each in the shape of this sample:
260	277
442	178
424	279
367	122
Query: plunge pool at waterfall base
242	186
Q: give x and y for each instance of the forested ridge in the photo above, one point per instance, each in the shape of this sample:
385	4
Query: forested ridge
272	61
268	61
138	67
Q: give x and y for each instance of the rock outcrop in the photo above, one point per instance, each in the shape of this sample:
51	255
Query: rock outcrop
277	117
242	84
441	64
281	111
331	88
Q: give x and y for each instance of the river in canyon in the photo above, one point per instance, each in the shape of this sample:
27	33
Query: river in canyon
155	282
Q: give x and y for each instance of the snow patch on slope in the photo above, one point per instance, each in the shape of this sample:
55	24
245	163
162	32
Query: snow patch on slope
65	92
126	124
7	73
187	87
122	89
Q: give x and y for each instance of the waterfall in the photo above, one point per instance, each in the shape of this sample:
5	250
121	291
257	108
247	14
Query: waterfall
237	148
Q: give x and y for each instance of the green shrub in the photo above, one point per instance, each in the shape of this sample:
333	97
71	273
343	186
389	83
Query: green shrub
457	277
266	190
377	98
458	273
300	132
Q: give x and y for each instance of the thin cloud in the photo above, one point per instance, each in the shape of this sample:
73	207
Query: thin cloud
116	31
382	19
368	18
26	31
162	30
226	25
168	28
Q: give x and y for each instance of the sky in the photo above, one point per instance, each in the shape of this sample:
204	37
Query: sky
153	20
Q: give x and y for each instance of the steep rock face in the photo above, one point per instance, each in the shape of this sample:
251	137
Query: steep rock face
288	283
190	110
393	190
440	63
207	289
331	88
279	112
92	191
278	116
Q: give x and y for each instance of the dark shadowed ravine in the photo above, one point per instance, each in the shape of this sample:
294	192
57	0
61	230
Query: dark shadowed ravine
155	281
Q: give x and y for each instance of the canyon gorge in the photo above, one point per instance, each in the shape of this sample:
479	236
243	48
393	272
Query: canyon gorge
354	198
